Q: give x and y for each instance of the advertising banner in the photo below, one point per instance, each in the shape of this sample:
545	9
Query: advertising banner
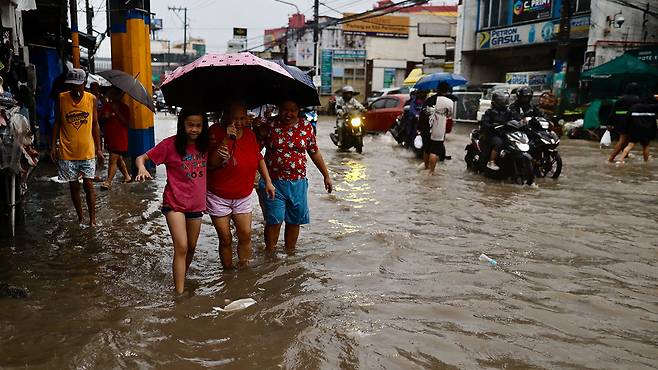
527	34
304	54
530	10
382	26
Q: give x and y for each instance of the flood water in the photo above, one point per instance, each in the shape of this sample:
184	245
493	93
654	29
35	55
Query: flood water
387	275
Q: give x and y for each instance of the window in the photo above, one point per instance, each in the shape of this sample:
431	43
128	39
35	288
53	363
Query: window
495	13
578	6
392	103
379	103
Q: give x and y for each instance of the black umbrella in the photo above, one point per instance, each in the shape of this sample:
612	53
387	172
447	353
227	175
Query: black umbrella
211	81
310	96
130	85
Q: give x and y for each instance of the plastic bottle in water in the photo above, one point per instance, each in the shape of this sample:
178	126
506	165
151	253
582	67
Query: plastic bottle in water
487	259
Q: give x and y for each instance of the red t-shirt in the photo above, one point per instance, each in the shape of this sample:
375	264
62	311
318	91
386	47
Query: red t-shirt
186	176
235	180
286	149
115	132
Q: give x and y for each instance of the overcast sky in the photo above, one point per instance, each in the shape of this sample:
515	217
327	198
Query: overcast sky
213	20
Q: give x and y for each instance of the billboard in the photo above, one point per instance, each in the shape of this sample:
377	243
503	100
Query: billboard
239	33
528	34
530	10
382	26
304	54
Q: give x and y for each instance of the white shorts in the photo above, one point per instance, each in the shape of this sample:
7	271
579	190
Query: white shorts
220	207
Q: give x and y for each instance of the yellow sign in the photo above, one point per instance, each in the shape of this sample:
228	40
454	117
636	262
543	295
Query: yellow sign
382	26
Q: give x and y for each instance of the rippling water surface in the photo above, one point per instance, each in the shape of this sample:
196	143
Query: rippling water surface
387	275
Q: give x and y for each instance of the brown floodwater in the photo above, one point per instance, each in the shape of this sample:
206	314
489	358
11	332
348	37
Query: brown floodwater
387	275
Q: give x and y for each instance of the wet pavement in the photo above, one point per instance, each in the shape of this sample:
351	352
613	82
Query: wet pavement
386	276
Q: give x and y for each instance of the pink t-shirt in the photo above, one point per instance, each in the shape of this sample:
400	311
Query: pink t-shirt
186	176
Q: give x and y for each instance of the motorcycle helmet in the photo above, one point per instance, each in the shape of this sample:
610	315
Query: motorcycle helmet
500	99
524	95
347	93
348	89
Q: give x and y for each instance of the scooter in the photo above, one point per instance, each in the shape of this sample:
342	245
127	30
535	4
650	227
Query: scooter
514	160
351	135
543	148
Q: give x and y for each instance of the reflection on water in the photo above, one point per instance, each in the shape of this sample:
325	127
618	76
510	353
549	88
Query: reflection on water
386	276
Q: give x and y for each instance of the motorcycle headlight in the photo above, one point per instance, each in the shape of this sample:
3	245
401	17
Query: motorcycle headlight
355	122
523	147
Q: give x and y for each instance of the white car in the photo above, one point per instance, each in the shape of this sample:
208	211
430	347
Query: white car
489	88
389	91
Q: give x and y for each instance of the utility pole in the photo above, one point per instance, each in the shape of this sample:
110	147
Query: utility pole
75	39
562	52
184	10
90	31
316	36
645	21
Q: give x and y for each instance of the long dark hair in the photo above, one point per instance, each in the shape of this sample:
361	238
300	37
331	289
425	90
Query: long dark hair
181	138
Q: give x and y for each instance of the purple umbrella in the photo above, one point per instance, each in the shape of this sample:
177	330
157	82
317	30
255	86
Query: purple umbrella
214	79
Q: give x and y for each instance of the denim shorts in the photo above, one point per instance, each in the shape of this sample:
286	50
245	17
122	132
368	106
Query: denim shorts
290	203
71	170
188	215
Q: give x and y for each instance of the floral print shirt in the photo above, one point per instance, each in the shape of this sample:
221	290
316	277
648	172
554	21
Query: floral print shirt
286	149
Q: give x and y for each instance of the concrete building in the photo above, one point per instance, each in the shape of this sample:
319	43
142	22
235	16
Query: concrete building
515	41
167	56
372	53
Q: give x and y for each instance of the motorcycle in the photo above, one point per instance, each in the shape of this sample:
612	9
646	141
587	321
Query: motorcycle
351	124
543	148
311	116
514	159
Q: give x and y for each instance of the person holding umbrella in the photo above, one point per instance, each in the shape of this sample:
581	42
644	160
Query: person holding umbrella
115	115
233	159
75	141
287	140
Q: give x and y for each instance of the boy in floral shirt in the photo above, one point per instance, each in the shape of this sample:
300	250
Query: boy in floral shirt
287	139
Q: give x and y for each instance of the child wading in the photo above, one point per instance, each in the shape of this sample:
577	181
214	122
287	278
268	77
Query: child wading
184	198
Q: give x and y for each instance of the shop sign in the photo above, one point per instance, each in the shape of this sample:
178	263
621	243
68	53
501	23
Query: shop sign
382	26
326	63
389	77
649	56
530	10
527	34
349	54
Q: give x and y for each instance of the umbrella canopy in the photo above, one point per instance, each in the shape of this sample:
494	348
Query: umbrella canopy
214	79
431	82
307	98
130	85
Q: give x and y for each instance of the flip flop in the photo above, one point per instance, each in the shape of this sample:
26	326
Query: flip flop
105	186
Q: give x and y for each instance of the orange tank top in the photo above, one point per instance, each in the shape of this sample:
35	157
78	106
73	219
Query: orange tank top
75	134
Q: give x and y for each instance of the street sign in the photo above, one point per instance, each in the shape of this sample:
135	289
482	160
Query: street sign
434	30
239	33
317	81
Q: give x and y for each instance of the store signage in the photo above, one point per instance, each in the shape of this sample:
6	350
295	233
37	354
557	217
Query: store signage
349	54
530	10
527	34
326	64
382	26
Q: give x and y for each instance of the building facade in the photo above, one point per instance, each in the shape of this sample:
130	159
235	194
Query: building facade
516	41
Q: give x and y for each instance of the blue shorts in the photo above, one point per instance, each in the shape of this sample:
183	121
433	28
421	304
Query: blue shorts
70	170
290	203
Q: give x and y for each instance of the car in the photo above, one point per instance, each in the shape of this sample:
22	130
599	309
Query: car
383	92
159	101
383	112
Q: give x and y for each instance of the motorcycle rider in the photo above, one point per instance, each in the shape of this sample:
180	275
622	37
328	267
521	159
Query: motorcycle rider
498	114
523	106
345	103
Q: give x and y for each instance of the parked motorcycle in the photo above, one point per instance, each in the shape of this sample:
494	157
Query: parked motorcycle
514	159
543	148
351	124
311	116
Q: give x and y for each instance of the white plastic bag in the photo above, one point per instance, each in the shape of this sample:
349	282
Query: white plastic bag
606	140
418	142
240	304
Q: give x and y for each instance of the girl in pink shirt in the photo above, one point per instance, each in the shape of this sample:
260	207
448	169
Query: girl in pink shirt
184	198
